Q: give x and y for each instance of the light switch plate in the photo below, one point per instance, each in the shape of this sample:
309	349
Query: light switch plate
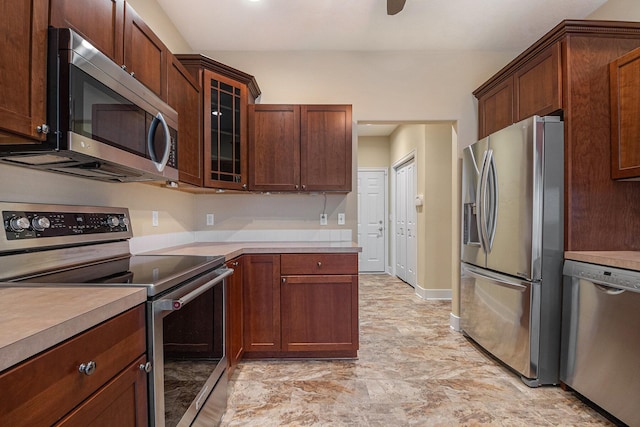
323	219
154	218
340	219
210	219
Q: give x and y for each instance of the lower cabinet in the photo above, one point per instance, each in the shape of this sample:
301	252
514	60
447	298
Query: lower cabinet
317	313
261	304
95	378
301	305
235	324
121	402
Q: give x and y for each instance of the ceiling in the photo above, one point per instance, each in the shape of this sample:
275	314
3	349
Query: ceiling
363	25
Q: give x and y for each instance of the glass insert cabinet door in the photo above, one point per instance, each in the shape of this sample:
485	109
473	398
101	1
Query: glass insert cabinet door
225	132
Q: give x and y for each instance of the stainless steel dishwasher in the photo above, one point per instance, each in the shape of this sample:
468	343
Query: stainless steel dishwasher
601	337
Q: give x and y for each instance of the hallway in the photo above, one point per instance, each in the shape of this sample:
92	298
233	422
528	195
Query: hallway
413	370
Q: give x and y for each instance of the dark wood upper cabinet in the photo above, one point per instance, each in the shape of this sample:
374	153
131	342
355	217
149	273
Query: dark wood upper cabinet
145	56
567	73
538	85
226	92
23	53
300	147
325	147
99	21
183	94
274	146
495	108
115	28
625	116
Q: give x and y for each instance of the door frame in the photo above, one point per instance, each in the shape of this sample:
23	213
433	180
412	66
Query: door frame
409	157
387	219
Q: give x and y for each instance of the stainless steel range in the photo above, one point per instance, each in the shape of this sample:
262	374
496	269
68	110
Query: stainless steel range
55	245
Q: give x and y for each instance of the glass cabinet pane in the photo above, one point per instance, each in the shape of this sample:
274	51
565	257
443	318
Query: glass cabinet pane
225	132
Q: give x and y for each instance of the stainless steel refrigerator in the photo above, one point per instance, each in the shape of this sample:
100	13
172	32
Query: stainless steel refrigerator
513	242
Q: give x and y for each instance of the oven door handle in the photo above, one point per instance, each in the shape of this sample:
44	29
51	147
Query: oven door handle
177	304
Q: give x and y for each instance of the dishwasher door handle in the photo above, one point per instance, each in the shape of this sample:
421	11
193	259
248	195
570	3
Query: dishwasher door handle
609	290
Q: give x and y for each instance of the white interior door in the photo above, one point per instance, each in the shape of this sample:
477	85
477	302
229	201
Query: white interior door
412	242
401	222
405	223
371	220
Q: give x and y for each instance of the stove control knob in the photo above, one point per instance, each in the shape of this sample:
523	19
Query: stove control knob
113	221
39	223
19	223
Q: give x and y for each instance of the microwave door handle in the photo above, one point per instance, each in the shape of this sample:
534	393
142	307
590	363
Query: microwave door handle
159	118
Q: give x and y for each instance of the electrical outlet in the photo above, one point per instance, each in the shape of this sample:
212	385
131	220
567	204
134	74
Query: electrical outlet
323	219
210	219
154	218
340	219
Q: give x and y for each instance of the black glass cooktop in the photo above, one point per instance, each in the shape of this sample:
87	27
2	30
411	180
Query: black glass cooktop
156	272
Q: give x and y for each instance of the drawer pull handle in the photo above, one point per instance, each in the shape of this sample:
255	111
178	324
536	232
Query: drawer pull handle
319	264
145	367
87	368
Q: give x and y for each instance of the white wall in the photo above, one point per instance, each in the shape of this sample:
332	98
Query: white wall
618	10
381	86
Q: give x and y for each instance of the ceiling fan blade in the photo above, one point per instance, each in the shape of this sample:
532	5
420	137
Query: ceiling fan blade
394	6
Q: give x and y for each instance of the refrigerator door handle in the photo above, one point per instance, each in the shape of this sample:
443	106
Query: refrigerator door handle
493	207
502	280
481	197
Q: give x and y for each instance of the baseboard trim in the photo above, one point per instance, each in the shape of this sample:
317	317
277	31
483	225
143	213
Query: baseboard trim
454	322
433	294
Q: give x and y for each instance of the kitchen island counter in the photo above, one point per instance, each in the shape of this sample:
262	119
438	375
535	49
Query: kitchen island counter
36	318
629	260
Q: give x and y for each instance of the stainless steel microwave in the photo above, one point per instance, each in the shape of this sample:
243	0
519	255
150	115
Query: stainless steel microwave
102	123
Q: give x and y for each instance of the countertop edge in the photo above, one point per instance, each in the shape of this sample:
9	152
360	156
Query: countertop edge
232	250
629	260
47	337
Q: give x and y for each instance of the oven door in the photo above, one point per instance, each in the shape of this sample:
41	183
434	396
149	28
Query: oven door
186	344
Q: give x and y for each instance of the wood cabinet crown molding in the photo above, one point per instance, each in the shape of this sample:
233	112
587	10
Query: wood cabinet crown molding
563	29
199	60
566	73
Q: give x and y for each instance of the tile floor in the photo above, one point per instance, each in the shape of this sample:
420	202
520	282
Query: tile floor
412	370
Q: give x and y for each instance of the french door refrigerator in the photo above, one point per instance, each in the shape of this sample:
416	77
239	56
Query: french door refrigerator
513	242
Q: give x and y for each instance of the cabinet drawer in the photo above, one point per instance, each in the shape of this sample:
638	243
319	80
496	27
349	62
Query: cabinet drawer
50	385
339	263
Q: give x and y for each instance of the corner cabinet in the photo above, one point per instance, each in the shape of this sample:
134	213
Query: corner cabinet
226	92
23	53
300	147
567	73
625	113
301	305
95	378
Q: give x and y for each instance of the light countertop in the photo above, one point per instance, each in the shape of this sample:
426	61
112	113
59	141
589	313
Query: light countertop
231	250
37	318
629	260
34	318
